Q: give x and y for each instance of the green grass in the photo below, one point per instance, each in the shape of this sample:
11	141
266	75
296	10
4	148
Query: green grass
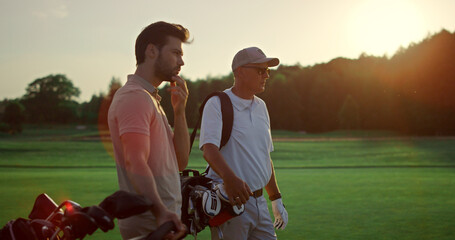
386	203
333	188
293	154
54	154
355	153
43	132
335	134
409	152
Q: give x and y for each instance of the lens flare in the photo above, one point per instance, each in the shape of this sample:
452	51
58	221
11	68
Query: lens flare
69	207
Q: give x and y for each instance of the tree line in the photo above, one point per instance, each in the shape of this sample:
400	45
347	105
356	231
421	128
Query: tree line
411	92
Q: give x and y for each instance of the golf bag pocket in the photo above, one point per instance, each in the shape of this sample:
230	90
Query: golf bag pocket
228	211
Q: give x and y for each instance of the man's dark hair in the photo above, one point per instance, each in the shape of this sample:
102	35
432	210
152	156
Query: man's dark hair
157	34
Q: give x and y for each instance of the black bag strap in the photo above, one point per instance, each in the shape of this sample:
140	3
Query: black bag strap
227	113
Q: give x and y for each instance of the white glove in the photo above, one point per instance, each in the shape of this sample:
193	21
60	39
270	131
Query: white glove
280	214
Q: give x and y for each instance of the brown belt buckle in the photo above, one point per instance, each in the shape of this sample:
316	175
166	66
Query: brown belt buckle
257	193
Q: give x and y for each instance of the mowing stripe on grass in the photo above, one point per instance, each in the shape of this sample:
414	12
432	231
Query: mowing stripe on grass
199	167
55	167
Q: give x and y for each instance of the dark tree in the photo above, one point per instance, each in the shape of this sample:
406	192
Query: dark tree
51	99
89	110
348	116
13	117
114	85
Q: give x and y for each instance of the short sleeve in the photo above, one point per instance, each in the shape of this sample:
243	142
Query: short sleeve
212	123
135	113
266	114
270	130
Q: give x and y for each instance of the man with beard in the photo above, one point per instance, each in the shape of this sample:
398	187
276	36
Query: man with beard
149	155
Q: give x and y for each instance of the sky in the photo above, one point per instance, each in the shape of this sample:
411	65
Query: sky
93	41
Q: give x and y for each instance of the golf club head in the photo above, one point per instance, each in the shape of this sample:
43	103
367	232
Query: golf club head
102	218
44	206
80	223
238	210
221	192
211	204
197	192
123	204
43	229
70	207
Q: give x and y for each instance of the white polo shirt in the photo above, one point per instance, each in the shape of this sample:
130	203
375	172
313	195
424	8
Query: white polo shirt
248	150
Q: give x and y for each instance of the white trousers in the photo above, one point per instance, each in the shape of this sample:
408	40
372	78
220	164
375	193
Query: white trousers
254	223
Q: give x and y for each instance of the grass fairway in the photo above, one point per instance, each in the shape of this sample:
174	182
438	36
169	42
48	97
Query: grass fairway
333	188
374	203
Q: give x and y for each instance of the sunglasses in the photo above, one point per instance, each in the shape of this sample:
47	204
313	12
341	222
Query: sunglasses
260	70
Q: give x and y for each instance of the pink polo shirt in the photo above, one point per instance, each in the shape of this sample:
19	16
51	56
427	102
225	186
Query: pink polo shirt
136	109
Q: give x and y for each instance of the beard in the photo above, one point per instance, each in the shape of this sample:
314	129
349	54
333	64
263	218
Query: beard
163	71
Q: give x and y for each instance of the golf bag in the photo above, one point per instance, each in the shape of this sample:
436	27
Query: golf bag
204	203
193	189
69	221
18	229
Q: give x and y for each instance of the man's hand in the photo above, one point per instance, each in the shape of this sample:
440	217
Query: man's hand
280	214
179	94
163	215
237	190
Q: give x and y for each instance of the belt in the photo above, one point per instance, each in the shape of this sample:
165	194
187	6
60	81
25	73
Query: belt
257	193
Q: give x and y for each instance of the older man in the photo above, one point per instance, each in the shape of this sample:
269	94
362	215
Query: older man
244	164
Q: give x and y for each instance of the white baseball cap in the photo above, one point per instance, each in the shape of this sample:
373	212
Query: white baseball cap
252	55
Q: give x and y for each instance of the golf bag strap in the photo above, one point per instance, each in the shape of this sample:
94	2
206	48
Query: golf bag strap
227	113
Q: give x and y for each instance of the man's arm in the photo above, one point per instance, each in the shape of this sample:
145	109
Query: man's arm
234	186
179	97
272	185
136	149
181	140
279	212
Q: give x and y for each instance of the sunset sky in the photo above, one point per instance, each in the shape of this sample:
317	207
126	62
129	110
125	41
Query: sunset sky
93	41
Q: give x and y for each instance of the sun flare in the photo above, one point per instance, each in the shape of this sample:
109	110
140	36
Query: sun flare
381	27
